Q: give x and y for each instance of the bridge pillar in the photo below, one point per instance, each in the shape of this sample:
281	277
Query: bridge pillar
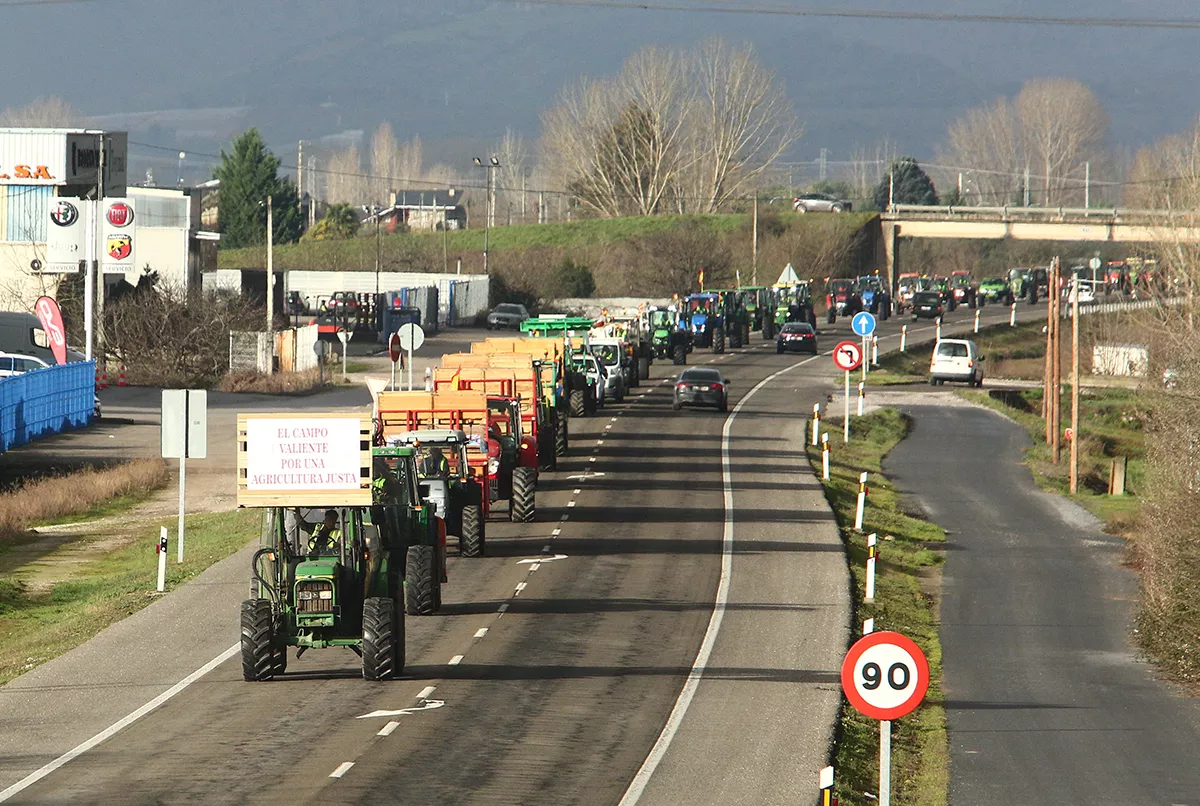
887	253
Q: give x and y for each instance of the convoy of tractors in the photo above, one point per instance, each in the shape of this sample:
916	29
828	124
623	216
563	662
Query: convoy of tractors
359	511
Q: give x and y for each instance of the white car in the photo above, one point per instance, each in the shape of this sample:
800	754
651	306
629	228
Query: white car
17	363
956	360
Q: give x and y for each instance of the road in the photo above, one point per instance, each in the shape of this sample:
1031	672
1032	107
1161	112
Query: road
562	682
1046	699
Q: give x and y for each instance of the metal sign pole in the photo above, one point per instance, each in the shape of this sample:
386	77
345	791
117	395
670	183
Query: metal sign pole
846	416
885	762
393	376
410	360
183	475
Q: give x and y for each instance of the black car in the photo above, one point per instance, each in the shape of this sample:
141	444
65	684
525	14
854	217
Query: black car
701	387
927	305
797	336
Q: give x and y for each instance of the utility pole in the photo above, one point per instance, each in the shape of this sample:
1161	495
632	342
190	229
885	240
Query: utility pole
824	163
1056	365
378	250
891	189
270	285
1074	472
1087	184
1048	369
300	174
1026	185
754	245
100	253
541	207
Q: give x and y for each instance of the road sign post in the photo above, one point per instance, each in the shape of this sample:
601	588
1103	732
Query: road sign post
344	337
863	325
885	676
184	435
394	354
846	357
411	338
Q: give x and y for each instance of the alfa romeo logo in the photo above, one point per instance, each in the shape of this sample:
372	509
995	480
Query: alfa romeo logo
64	214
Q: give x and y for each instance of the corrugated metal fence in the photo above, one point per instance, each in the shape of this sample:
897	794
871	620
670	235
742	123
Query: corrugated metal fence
251	351
44	402
466	301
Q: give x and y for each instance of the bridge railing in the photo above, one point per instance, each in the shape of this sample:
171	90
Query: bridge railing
1049	214
44	402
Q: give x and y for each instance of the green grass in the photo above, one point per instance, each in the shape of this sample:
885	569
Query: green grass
1111	425
36	627
906	601
359	252
1003	346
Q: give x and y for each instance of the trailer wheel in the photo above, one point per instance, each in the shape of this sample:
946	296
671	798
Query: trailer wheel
522	506
578	403
380	660
718	340
470	542
258	628
420	577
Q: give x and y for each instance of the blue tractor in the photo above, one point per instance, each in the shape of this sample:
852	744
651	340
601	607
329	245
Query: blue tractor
705	320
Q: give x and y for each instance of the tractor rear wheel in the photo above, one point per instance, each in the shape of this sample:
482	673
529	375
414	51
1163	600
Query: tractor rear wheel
768	329
718	341
280	652
746	335
420	577
643	365
679	355
470	542
522	505
380	659
560	436
578	403
258	629
735	338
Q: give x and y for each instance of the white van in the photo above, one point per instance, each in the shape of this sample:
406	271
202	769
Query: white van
956	360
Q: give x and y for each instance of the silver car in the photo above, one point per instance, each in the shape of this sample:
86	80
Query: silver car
507	315
820	203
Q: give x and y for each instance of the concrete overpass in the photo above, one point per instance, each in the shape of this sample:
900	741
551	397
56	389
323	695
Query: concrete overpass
1027	224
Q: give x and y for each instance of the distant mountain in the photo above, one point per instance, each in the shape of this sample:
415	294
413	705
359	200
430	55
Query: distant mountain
189	74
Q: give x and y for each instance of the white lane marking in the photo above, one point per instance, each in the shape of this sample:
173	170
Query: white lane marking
428	705
542	559
534	566
546	548
577	491
605	427
118	726
521	586
482	631
613	420
503	607
564	517
387	729
590	458
598	442
555	533
425	692
569	503
342	769
457	659
661	745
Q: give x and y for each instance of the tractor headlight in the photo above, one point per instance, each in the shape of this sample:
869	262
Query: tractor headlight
324	594
493	466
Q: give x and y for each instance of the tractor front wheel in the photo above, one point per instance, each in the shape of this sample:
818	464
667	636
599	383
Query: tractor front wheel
560	436
420	578
578	403
258	629
382	642
470	542
679	355
522	505
718	341
768	329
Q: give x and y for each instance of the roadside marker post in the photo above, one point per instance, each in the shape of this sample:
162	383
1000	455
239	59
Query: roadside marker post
183	436
1012	315
825	457
874	351
161	550
885	676
872	550
816	421
862	501
903	338
825	783
862	395
428	379
868	626
976	320
937	333
846	357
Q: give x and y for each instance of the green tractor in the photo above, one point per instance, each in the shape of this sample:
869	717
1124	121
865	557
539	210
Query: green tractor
334	572
736	317
758	302
447	481
669	337
578	387
794	303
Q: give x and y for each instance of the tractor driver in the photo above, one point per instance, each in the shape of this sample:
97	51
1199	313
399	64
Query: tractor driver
325	536
434	465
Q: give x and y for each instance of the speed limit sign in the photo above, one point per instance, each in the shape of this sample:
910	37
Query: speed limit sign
848	355
885	675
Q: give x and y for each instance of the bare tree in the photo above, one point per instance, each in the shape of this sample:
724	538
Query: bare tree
346	184
46	112
514	160
986	145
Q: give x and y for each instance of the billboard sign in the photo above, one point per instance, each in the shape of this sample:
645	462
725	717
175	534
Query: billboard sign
63	157
65	234
298	454
117	245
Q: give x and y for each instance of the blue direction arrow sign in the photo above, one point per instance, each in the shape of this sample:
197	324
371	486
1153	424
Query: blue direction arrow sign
863	324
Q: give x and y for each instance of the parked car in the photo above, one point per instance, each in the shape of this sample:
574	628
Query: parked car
700	386
956	360
15	364
798	337
927	305
820	203
507	315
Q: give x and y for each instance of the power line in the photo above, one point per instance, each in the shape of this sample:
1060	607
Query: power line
733	7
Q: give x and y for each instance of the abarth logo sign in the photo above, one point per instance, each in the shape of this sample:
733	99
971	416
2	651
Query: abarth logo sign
120	246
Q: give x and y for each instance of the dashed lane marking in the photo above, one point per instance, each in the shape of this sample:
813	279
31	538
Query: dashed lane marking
578	491
503	608
457	659
534	566
482	631
546	548
521	586
570	504
425	692
342	769
387	729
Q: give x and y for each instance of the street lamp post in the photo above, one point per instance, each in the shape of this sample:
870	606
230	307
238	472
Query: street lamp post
489	194
179	173
270	285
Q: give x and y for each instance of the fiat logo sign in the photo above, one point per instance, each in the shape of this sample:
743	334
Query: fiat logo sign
64	214
120	214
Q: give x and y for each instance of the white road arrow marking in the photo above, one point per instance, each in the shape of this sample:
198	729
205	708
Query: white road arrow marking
542	559
586	476
429	705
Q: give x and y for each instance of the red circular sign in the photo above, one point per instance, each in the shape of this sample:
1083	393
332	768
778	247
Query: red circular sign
120	214
848	355
394	347
885	675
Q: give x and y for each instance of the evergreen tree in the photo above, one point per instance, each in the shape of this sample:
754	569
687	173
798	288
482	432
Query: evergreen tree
912	185
248	174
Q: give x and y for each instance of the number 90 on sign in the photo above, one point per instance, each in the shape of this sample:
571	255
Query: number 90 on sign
885	675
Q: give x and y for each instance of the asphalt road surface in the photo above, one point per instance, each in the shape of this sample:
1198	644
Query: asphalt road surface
601	676
1046	699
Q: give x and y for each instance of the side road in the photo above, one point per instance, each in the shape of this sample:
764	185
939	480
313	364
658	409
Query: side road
1046	699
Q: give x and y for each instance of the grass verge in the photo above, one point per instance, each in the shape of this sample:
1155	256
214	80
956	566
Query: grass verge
278	383
78	495
35	628
906	601
1011	352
